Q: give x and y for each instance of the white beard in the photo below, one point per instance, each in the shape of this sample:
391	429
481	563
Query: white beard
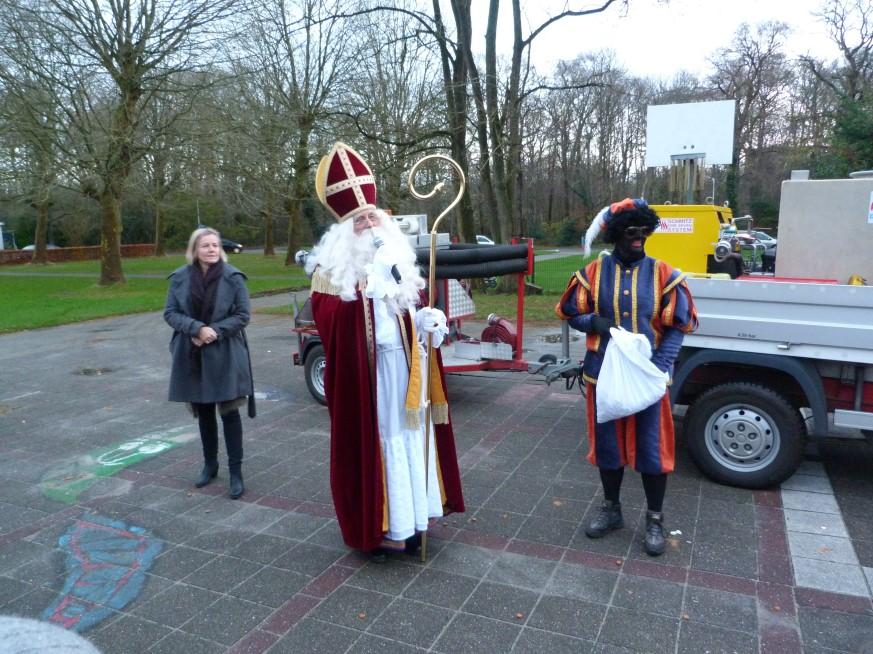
343	255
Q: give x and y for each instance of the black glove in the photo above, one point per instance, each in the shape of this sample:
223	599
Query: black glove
601	326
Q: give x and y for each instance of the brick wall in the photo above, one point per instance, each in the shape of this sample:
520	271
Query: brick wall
77	254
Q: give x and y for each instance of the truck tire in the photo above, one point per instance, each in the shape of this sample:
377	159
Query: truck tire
744	435
313	370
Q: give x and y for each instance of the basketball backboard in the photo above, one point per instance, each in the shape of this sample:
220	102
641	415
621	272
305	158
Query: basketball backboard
705	129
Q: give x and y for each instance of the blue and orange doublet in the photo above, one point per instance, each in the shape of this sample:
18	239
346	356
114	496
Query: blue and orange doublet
647	297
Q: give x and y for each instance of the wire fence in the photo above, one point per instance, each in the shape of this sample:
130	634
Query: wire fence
552	272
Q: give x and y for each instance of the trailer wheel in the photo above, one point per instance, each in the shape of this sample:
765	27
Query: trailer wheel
313	370
744	435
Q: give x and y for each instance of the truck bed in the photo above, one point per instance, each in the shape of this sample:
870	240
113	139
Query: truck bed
790	318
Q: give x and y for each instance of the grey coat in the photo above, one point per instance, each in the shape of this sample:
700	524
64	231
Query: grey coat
225	370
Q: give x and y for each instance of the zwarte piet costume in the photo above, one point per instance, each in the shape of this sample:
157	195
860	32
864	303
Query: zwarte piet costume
626	288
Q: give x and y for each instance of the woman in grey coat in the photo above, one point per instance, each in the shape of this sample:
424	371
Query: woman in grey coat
208	309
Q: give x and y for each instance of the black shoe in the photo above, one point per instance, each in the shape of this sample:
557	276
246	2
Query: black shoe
237	488
413	543
655	541
378	555
607	519
210	469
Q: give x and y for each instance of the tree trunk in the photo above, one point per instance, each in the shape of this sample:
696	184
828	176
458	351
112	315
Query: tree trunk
267	213
498	149
110	238
159	232
455	85
299	190
489	203
40	253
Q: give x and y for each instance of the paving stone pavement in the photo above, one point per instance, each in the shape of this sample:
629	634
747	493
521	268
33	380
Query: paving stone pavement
101	529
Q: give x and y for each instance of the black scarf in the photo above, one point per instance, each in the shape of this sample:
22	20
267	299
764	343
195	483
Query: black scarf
203	288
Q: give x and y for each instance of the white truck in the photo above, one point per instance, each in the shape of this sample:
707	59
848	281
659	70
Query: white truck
779	358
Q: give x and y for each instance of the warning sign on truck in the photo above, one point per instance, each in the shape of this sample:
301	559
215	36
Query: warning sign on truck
676	226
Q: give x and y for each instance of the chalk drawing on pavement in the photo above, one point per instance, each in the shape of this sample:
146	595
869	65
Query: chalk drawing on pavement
67	481
265	393
106	562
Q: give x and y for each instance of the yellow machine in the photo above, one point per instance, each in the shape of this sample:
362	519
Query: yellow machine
688	236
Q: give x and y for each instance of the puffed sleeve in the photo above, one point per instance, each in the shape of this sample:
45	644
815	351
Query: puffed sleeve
576	305
678	308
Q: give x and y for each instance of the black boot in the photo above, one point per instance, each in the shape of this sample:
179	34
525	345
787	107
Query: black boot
608	519
209	441
237	488
233	442
210	470
654	542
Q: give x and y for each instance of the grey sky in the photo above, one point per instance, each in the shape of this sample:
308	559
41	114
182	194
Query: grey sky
656	38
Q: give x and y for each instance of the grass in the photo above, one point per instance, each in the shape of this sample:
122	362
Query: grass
537	308
68	292
54	297
552	275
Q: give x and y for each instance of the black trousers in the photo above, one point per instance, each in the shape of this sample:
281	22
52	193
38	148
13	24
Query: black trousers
232	426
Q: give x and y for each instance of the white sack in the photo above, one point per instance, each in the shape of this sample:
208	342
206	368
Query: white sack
628	382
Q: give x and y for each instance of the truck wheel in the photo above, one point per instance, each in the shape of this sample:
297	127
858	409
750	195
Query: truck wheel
744	435
313	370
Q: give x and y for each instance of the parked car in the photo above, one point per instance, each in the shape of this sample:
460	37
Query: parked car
483	240
231	246
48	246
765	239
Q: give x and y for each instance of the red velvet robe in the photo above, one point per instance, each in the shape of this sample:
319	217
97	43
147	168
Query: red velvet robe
356	466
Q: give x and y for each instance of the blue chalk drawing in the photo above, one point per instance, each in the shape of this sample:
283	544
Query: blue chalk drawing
106	565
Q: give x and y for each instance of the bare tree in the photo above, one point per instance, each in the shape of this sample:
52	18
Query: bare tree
117	56
300	54
29	114
753	71
850	24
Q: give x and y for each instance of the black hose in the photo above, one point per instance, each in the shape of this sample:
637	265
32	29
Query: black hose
466	253
486	269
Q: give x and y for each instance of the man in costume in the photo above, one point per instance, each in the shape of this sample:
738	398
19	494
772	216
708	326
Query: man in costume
629	289
365	290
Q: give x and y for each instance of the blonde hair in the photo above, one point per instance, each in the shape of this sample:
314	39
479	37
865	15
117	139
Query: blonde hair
196	235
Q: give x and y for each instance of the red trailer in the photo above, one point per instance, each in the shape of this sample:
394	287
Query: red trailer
498	347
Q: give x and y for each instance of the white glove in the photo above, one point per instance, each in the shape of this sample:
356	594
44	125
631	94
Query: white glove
380	281
432	321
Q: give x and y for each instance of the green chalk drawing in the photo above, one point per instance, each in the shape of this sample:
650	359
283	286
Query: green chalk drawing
66	482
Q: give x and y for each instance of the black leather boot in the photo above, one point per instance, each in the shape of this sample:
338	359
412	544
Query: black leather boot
608	519
210	470
654	542
233	442
209	441
237	488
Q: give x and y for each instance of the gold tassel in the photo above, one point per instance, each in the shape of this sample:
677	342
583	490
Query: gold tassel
413	419
439	413
439	406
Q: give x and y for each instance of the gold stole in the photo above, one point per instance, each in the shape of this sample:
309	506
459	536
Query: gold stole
439	407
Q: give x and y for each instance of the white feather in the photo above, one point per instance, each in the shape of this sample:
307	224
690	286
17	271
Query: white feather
597	225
